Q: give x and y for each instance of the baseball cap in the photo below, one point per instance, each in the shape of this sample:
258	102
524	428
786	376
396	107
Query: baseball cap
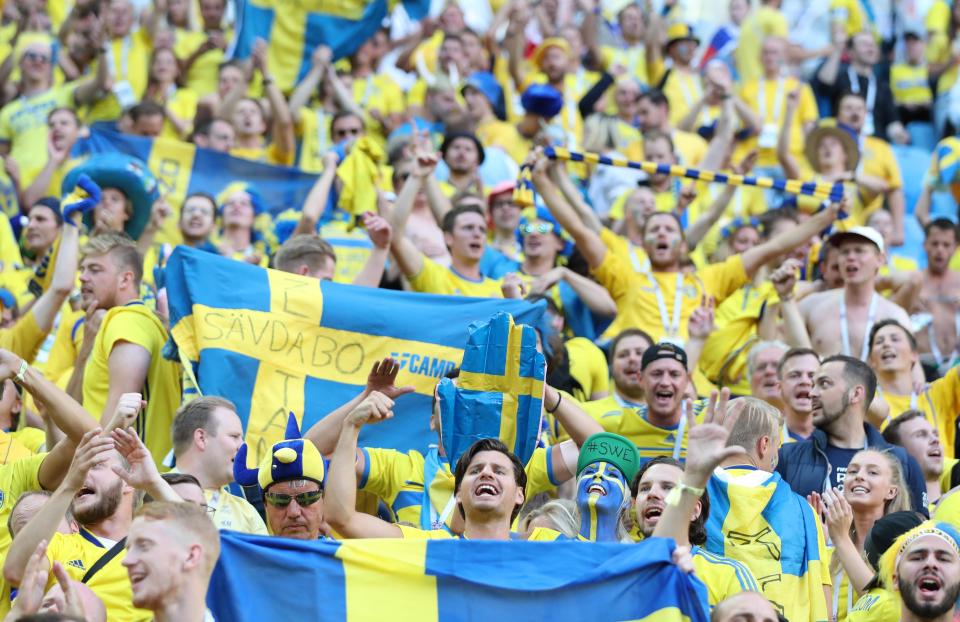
663	351
860	233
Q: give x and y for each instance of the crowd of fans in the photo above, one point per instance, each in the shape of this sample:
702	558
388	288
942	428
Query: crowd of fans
768	379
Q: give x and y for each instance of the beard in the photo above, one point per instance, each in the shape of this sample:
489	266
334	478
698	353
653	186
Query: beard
104	508
828	417
928	610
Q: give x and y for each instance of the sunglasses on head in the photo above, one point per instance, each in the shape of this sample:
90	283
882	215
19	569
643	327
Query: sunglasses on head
282	500
542	228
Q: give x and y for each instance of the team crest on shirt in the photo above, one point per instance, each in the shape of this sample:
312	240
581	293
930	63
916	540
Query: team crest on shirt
670	438
77	563
690	291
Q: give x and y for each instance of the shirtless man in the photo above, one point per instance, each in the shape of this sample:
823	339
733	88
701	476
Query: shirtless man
940	296
839	320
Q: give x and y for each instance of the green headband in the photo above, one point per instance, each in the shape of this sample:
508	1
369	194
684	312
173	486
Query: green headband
613	449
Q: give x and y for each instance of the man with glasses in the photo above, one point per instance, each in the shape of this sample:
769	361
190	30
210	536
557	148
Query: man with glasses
23	122
291	476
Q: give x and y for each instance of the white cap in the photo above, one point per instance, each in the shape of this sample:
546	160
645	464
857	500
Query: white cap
863	233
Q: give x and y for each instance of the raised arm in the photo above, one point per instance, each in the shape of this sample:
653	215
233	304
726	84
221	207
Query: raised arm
300	98
586	240
794	329
64	274
578	424
316	201
93	449
380	234
408	256
281	132
561	177
791	238
340	494
382	379
791	167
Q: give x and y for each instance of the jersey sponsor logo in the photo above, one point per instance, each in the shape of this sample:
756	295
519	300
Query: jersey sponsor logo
423	365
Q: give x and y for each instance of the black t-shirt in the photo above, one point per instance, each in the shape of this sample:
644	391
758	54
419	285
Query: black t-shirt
839	458
884	108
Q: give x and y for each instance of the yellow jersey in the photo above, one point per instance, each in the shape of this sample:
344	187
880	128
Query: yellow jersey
877	605
23	124
630	421
435	279
539	534
78	552
313	130
768	98
762	22
137	324
399	480
910	85
496	133
129	59
203	76
16	477
940	403
234	513
588	366
638	296
877	160
267	153
683	89
378	92
24	338
723	576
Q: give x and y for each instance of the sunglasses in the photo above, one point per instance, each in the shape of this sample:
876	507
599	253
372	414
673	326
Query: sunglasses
281	500
542	228
36	58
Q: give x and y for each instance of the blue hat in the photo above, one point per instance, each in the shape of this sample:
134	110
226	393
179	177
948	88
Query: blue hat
292	458
127	174
542	100
542	213
487	84
7	299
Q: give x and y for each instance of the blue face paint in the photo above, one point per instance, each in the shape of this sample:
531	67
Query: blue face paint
601	492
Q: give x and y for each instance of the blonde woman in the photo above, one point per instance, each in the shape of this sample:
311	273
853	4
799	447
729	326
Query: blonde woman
874	487
560	515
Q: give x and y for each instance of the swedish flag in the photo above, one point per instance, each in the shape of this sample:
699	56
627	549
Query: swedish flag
499	392
182	168
448	580
273	343
294	29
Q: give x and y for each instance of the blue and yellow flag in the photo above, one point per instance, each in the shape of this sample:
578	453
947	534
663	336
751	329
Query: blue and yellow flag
182	168
757	519
274	342
450	580
294	29
499	392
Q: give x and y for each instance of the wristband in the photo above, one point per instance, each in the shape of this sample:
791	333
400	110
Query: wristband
673	497
21	372
557	405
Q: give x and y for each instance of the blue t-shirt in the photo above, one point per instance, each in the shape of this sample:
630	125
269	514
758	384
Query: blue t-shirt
839	458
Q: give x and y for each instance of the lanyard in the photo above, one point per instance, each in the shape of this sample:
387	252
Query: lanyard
845	329
322	133
689	95
124	59
430	519
681	427
871	97
777	102
935	349
570	104
671	328
367	88
836	595
643	267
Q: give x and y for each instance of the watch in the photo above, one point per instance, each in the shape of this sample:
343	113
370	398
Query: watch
673	497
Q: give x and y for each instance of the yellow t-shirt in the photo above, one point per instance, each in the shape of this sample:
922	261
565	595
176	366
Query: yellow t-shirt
66	345
10	258
633	59
588	366
723	576
381	93
398	478
770	109
183	105
689	147
910	84
16	477
683	89
130	62
203	76
877	605
635	294
24	338
268	154
33	439
764	21
850	13
23	124
626	250
435	279
313	130
234	513
135	323
940	404
496	133
877	159
631	422
78	552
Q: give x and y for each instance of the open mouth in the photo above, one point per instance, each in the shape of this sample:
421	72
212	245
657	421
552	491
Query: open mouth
929	585
486	490
653	512
935	453
84	492
663	395
859	490
888	355
137	577
596	489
